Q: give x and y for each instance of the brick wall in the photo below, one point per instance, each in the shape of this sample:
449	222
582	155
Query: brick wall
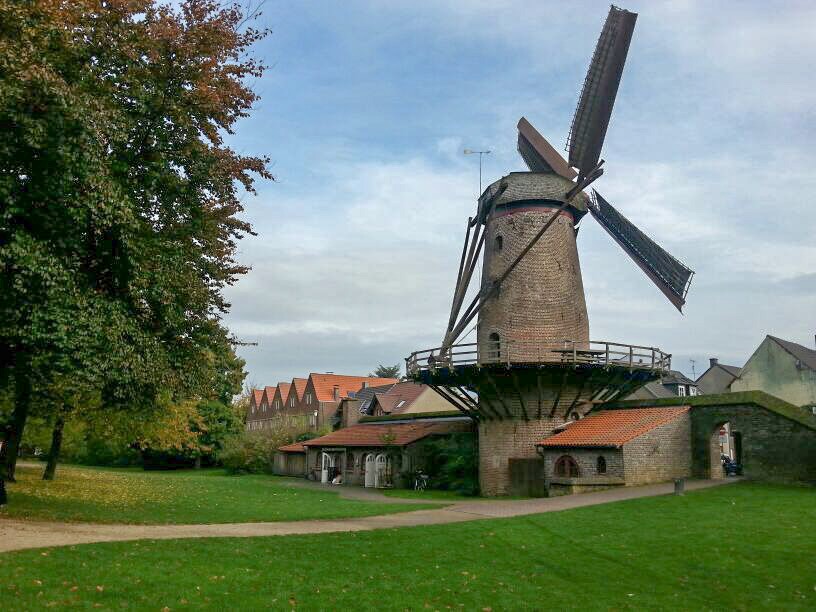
543	298
661	454
587	460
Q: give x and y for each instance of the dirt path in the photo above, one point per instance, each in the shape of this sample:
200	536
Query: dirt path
18	535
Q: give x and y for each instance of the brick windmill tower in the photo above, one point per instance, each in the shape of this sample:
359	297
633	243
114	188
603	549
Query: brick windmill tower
533	367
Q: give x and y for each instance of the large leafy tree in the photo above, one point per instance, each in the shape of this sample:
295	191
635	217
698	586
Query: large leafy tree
118	195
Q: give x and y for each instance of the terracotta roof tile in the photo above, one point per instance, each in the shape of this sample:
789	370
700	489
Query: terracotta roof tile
296	447
324	384
398	434
257	395
613	427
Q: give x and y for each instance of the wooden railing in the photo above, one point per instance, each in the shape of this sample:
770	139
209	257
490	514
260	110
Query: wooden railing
510	352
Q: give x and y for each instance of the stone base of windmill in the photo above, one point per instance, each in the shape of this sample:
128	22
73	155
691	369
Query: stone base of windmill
508	461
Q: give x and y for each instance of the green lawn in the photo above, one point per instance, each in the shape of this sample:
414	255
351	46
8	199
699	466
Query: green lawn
734	547
204	496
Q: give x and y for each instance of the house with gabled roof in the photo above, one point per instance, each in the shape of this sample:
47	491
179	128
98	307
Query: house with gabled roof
718	377
781	368
408	398
281	395
254	409
324	392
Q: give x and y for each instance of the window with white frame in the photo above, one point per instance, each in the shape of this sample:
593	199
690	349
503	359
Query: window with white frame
309	399
692	390
292	402
681	390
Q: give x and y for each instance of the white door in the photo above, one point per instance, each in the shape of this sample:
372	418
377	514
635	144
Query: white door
325	464
379	477
369	470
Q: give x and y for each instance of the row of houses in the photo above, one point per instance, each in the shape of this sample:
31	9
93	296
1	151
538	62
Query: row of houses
334	401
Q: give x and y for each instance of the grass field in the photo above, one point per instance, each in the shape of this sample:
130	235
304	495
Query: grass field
204	496
735	547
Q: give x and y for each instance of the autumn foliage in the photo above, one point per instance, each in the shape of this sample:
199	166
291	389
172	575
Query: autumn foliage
120	198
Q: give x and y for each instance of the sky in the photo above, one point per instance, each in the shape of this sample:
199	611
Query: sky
367	107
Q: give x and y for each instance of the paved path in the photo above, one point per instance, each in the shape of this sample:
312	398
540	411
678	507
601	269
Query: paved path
18	535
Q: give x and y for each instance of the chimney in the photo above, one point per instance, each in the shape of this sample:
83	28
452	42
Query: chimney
713	361
365	384
336	392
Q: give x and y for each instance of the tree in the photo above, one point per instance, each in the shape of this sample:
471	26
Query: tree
383	371
118	196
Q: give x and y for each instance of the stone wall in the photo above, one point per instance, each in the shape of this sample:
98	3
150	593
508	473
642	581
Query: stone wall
661	454
774	447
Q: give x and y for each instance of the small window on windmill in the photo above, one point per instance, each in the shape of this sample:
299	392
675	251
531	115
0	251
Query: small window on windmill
495	345
498	243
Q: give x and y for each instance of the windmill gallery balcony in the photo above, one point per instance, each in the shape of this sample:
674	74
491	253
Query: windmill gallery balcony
594	354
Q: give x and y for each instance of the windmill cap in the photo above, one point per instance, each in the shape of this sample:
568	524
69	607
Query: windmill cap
531	187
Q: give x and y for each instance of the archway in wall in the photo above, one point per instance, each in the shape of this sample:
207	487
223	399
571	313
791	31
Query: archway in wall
725	451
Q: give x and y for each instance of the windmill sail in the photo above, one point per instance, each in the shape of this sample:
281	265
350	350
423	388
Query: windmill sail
594	109
670	275
540	155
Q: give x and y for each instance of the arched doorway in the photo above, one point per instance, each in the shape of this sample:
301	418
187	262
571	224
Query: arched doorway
326	465
725	451
566	467
382	475
369	470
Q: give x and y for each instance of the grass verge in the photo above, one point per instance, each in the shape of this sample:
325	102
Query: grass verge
204	496
741	546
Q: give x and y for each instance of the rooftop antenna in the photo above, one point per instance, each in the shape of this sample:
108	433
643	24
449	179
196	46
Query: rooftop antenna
481	153
693	373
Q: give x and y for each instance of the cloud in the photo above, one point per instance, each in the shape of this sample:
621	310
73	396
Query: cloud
709	152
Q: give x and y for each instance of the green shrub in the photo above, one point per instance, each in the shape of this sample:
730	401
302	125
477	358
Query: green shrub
452	462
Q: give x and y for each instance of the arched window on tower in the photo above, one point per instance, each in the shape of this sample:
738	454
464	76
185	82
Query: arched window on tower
495	347
498	243
567	467
601	463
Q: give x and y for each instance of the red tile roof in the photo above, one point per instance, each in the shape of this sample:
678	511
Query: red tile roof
270	394
283	390
300	386
324	384
296	447
406	392
613	427
398	434
257	395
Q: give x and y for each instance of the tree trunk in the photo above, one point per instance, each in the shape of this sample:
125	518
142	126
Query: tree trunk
54	451
3	496
22	403
198	462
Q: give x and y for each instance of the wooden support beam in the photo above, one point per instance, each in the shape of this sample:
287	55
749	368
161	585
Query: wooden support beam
520	395
450	400
493	384
558	393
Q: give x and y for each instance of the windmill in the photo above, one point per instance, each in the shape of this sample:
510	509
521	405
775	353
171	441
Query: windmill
533	365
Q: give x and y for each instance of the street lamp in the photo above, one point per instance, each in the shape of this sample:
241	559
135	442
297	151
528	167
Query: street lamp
481	153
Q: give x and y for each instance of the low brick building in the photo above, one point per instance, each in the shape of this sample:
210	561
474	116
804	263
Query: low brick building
618	447
376	454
